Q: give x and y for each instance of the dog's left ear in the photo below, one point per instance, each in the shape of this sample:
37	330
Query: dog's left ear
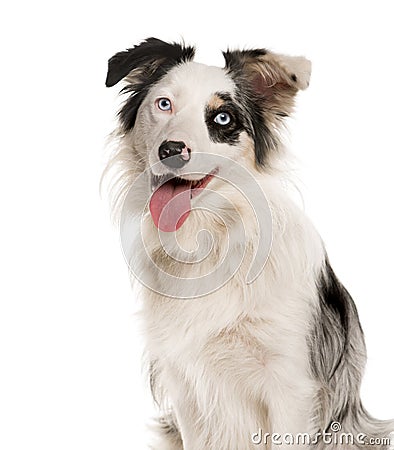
271	81
268	72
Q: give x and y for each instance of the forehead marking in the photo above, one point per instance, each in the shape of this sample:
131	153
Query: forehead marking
216	101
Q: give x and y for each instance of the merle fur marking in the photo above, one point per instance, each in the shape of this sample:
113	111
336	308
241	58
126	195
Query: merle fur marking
229	133
252	103
332	328
337	352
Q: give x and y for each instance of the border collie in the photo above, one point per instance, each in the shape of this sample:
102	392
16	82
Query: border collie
251	339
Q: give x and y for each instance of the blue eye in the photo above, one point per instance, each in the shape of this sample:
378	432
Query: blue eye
164	104
223	118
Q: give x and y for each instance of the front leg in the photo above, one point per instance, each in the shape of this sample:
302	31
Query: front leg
224	423
234	388
212	404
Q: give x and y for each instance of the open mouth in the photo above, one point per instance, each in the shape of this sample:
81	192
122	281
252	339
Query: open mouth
170	203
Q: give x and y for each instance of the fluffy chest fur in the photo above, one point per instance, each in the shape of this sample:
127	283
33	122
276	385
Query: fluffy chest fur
242	341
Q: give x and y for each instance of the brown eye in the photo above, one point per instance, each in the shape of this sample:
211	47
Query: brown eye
164	104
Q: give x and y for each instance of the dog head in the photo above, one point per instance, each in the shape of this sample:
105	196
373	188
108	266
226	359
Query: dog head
177	112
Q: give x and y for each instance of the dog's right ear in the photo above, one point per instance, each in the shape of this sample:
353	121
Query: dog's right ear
146	59
140	67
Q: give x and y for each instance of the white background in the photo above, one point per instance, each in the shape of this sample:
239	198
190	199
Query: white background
69	343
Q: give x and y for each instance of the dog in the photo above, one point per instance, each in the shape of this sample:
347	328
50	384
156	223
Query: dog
249	333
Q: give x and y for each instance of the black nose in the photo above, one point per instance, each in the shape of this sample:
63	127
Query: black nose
174	154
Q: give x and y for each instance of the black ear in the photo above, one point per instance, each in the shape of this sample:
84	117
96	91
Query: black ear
150	52
142	66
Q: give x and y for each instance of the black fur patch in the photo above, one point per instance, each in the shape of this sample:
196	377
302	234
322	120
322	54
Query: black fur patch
256	125
334	295
228	134
153	58
252	104
330	337
236	59
152	49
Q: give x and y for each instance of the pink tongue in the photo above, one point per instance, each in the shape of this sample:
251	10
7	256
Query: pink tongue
170	206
